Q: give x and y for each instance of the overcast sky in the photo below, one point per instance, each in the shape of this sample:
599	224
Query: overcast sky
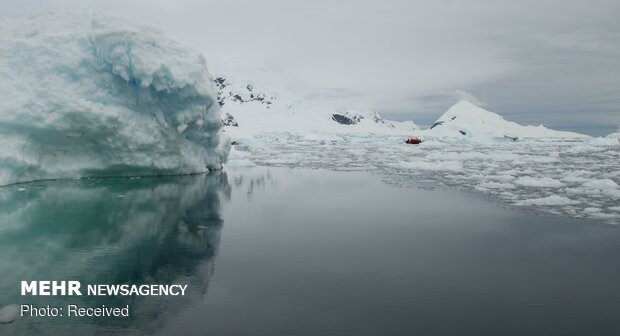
550	62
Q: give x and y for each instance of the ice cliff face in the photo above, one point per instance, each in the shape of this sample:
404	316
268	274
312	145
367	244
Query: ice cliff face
85	94
466	120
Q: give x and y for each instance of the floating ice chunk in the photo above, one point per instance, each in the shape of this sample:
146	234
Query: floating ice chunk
529	159
546	201
591	210
606	187
601	184
586	149
613	193
538	182
597	213
574	178
607	141
602	215
315	136
431	166
501	178
496	185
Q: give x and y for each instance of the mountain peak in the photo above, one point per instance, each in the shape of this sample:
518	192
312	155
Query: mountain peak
464	103
466	108
465	119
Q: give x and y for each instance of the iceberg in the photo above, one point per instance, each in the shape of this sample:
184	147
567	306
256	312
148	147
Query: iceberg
86	94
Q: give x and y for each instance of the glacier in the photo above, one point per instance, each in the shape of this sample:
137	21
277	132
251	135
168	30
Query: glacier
86	94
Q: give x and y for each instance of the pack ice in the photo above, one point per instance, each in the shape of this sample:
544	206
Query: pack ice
86	94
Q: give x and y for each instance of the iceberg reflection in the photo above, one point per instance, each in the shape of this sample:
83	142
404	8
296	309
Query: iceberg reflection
110	231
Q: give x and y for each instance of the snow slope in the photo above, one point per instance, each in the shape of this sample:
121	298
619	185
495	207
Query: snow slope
466	120
252	106
85	94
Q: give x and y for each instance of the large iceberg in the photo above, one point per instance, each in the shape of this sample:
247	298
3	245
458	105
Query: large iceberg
86	94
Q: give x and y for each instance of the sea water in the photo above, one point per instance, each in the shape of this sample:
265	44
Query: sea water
279	251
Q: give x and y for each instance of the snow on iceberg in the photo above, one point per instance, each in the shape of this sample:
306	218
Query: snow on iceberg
85	94
465	119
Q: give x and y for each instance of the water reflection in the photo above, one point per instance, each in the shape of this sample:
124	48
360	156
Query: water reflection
109	231
251	181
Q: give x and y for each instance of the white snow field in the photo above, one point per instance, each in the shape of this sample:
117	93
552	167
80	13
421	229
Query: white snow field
85	94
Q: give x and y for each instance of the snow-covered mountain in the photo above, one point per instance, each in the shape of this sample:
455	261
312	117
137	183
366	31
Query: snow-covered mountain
252	107
466	120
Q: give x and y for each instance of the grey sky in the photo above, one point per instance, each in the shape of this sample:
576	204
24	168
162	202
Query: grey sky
550	62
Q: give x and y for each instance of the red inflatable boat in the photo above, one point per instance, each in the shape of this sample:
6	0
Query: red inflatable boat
413	141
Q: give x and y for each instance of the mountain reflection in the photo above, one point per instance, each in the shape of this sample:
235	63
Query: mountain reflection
110	231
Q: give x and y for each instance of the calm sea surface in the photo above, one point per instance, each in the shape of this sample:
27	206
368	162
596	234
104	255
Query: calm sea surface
276	251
